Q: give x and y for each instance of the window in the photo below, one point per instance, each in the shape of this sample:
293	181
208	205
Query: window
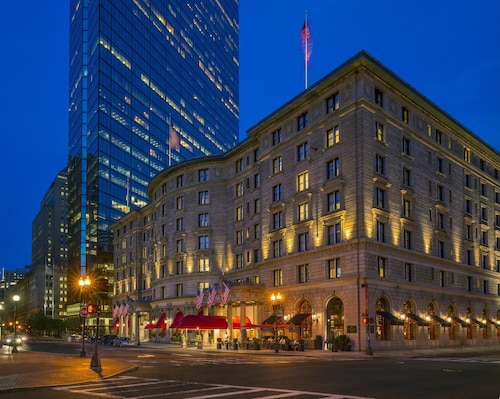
277	137
256	180
179	245
302	151
179	290
239	261
408	272
379	97
484	190
277	192
256	205
406	146
381	266
203	175
485	262
179	267
179	202
440	248
180	181
405	115
468	206
334	269
484	238
380	198
441	278
333	168
380	164
203	198
278	220
407	239
303	211
407	177
332	136
439	137
332	103
440	193
239	213
203	242
303	181
256	255
406	208
256	231
380	131
333	200
302	121
239	165
484	214
380	231
334	232
239	189
302	273
203	265
203	220
303	241
467	153
440	221
277	166
468	232
440	165
277	248
277	278
179	224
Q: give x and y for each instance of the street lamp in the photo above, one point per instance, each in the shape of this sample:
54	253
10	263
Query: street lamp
83	283
278	312
16	299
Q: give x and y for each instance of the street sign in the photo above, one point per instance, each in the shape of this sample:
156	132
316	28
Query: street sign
84	311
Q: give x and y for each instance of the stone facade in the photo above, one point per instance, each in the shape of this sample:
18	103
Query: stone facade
359	201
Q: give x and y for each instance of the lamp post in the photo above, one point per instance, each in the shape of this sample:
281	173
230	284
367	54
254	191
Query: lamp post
83	283
95	363
16	299
278	312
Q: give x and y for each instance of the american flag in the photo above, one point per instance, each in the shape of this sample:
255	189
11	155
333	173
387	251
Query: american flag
199	298
115	310
305	35
125	309
211	296
225	294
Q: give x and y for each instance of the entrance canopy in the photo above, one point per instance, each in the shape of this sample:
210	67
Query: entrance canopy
298	319
161	322
201	322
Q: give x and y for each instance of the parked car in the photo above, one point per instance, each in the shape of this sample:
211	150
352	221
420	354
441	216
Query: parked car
107	339
122	341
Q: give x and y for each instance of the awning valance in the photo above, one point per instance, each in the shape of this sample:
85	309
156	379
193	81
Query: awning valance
298	319
269	322
177	319
441	321
237	324
389	316
456	320
200	322
417	319
161	322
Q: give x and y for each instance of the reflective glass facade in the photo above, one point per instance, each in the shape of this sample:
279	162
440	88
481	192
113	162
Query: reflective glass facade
142	73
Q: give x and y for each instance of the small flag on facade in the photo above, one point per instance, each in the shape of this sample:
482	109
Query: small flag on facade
211	296
225	294
199	299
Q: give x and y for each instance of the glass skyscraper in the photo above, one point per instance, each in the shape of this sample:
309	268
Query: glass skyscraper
151	83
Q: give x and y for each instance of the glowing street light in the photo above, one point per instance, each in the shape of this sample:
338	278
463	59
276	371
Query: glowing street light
84	283
16	299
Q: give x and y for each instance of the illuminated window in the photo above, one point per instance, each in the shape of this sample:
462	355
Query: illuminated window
239	213
203	220
381	265
277	278
303	211
179	290
332	136
277	166
302	272
333	201
406	208
380	131
203	198
303	181
203	265
405	115
179	202
239	189
334	269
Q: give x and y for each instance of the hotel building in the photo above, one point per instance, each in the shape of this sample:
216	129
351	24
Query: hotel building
374	214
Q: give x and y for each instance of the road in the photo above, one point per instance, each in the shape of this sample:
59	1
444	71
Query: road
181	374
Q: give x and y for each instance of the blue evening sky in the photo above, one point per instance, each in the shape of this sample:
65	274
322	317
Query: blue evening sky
447	49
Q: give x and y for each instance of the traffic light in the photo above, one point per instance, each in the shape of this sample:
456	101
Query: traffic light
91	308
365	320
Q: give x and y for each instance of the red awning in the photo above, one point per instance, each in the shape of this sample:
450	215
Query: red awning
161	322
116	323
236	323
200	322
177	319
150	324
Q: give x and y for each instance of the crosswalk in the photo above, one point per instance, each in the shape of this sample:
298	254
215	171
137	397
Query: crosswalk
145	388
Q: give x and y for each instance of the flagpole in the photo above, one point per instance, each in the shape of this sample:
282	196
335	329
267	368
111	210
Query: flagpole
305	47
168	142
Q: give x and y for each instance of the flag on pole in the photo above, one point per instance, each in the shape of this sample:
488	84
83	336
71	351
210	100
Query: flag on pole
125	309
305	35
199	298
211	296
225	294
115	310
173	140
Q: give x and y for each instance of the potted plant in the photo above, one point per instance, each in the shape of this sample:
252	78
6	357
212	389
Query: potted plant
219	343
341	343
256	343
301	345
235	343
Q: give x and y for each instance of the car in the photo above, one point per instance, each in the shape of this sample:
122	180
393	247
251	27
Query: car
107	339
122	341
10	338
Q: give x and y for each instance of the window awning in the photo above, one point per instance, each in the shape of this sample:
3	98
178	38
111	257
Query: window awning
269	323
475	321
441	321
389	316
116	323
177	319
200	322
456	320
417	319
298	319
237	324
150	324
161	322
